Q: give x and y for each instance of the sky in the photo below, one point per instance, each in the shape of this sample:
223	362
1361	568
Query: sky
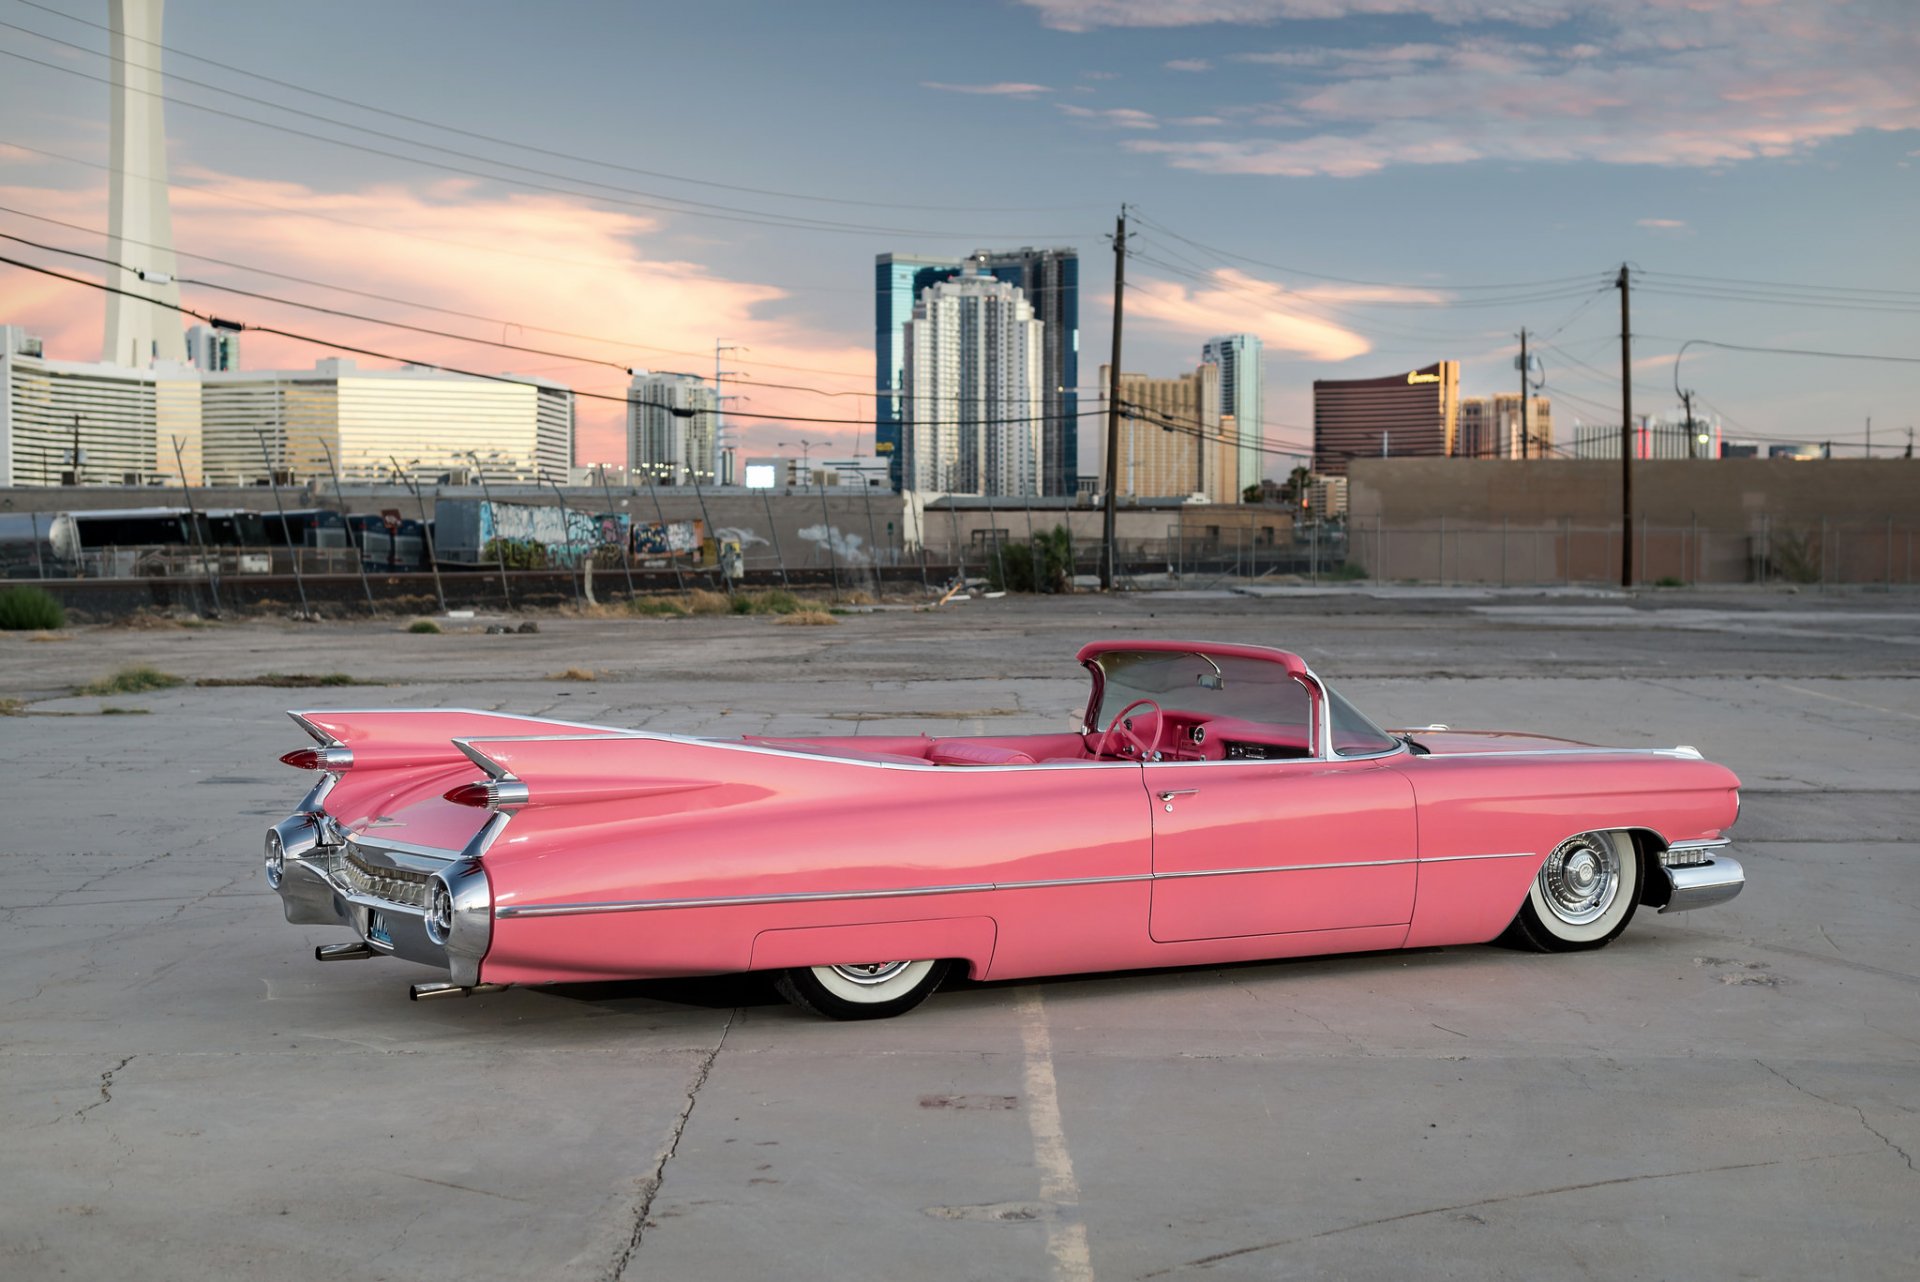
1368	185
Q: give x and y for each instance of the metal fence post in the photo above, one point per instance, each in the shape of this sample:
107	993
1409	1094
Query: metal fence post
286	531
199	537
1503	550
1823	553
1566	548
826	519
873	543
773	532
1888	567
1443	552
626	552
359	558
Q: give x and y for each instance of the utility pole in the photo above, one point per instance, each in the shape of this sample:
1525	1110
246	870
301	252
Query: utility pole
1869	436
1626	432
1686	398
722	473
1113	398
1523	391
76	449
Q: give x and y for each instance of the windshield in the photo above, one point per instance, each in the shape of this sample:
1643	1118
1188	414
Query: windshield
1201	687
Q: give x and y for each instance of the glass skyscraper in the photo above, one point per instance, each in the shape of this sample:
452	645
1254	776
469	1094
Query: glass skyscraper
1050	281
1238	356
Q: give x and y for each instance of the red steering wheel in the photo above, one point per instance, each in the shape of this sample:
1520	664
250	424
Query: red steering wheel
1121	728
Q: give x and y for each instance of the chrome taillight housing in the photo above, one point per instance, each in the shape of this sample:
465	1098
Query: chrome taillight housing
490	794
319	758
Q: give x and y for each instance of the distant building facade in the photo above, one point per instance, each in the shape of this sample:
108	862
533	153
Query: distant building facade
1174	441
672	448
1238	356
306	424
122	420
1049	280
212	350
972	390
1410	415
1490	427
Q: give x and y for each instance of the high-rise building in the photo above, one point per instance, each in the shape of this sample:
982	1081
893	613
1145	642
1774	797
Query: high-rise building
1238	356
139	220
972	390
1489	427
670	428
1050	279
1174	441
212	350
898	282
1402	415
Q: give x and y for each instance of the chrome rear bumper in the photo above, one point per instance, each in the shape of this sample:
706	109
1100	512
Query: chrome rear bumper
1703	885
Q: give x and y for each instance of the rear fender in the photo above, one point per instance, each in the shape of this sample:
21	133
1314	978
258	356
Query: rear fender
968	939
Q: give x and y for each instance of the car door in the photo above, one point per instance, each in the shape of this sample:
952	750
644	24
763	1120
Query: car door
1271	847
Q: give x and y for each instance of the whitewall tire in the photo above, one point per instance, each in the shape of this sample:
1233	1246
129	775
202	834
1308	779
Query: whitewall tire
1584	895
871	990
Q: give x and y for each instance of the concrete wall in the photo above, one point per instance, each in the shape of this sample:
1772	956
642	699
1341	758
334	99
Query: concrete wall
1707	521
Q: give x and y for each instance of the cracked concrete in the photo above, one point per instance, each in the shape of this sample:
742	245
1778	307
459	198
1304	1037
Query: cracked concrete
189	1094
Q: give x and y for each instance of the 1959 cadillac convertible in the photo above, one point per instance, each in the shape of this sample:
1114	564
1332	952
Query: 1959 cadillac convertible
1219	803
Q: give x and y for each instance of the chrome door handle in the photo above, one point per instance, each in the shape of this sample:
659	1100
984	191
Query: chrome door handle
1168	796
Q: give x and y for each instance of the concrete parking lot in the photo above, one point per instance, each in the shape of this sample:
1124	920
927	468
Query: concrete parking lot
1729	1093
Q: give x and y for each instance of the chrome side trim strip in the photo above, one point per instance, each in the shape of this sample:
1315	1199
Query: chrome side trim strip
1234	872
1704	843
917	892
1586	751
1454	859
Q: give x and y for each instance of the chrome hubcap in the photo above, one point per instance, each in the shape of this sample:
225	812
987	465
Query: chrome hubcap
868	974
1580	880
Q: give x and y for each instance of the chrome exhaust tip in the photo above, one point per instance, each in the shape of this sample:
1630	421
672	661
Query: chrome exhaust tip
345	952
426	992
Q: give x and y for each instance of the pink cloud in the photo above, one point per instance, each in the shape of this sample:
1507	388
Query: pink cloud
1662	82
541	262
1234	302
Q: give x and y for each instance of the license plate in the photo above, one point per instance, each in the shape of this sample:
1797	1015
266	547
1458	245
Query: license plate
377	930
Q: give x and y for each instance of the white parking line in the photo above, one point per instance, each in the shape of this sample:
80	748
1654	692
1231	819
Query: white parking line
1854	703
1066	1232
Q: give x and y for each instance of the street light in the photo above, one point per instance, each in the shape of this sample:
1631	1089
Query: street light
805	447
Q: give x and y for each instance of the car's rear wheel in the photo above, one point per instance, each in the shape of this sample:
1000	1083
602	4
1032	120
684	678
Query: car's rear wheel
868	990
1584	895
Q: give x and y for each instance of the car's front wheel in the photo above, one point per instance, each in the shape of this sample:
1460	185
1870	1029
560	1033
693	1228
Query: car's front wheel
868	990
1584	895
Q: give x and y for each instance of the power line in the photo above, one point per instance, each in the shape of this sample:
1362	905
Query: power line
1801	351
454	369
651	203
1775	284
1347	280
508	142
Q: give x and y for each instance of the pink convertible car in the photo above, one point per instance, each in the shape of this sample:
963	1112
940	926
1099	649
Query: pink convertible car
1219	803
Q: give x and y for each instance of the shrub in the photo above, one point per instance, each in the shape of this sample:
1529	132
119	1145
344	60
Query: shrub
772	601
137	679
1045	565
657	607
811	617
1668	581
1348	572
30	610
424	626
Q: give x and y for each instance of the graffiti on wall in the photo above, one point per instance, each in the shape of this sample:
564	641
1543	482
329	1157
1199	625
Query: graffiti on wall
669	538
847	549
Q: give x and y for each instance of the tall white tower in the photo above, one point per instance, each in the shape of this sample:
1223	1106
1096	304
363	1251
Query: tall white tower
973	404
139	225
